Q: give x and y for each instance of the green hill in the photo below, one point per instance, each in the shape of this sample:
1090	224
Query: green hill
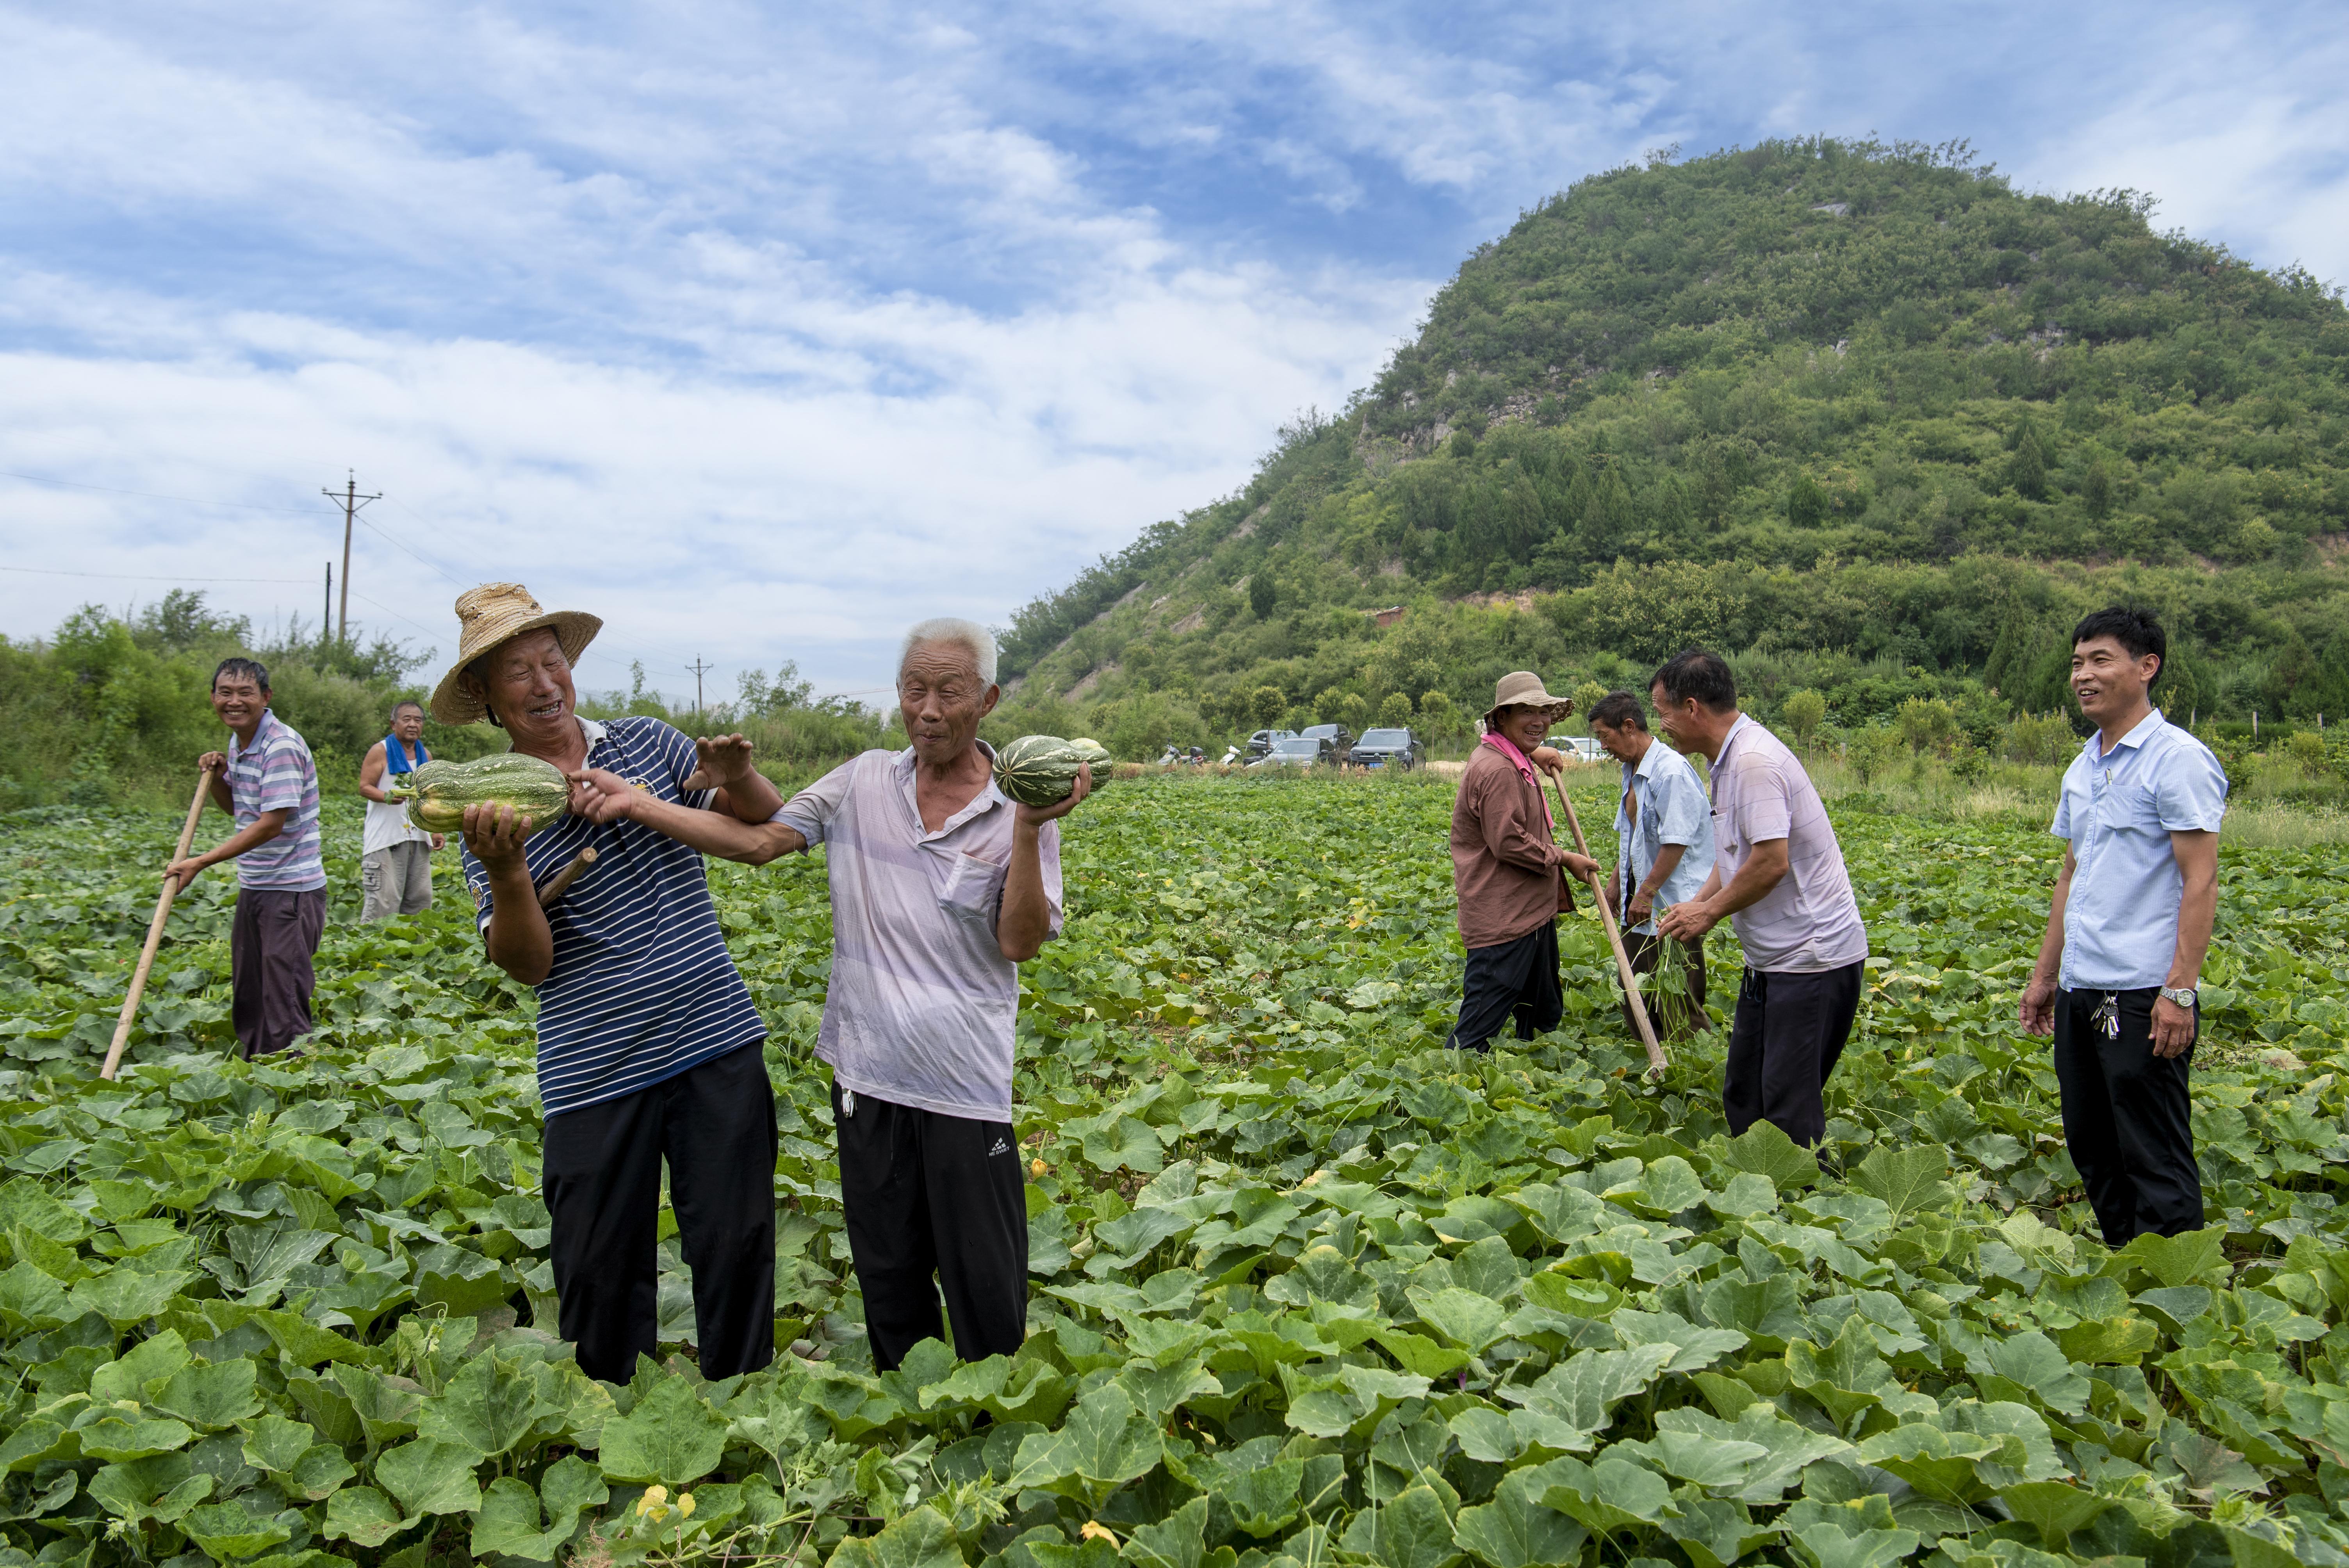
1867	417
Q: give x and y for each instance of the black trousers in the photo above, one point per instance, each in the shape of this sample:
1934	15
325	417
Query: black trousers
1517	979
2126	1117
272	940
1785	1039
715	1125
924	1195
1672	1015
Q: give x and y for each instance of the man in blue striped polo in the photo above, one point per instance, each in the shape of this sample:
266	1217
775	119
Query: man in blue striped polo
648	1047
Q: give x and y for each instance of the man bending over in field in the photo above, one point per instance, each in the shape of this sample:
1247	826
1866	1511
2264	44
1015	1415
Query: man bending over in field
1509	871
2121	962
940	887
648	1047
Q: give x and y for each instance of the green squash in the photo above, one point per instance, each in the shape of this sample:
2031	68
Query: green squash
438	793
1041	770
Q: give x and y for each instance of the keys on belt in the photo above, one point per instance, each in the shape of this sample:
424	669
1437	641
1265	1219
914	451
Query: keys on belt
2107	1016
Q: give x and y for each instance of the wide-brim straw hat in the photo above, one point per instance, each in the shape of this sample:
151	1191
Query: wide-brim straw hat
1523	689
498	612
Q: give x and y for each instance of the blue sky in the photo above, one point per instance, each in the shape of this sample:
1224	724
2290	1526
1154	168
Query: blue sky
761	331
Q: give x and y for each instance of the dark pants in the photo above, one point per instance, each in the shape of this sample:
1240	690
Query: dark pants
928	1194
1510	979
1674	1014
2126	1118
1786	1038
715	1127
271	943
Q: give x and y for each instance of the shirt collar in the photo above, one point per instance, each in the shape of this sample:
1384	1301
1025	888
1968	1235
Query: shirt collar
1649	761
260	733
986	799
1744	719
2145	729
590	728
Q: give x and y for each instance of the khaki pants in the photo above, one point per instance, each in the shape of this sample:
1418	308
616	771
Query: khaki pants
398	881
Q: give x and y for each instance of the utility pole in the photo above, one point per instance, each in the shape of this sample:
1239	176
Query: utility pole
326	612
350	501
699	669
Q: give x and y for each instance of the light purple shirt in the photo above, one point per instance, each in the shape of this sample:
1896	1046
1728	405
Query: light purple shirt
922	1003
1809	923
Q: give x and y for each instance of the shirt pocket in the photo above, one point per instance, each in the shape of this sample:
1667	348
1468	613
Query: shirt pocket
974	889
2129	809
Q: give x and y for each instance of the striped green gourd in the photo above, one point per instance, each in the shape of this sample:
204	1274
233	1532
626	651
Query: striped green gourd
1041	770
438	793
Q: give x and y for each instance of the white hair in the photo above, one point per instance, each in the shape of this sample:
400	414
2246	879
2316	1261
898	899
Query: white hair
969	635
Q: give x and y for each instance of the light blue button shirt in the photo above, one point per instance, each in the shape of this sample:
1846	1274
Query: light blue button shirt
1673	809
2120	808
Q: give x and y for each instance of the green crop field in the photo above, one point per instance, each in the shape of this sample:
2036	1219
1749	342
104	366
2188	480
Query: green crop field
1306	1288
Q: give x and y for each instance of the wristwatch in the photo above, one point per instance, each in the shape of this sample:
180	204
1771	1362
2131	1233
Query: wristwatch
2178	997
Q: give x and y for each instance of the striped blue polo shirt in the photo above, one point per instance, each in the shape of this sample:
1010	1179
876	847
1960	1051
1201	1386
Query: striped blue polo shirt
642	987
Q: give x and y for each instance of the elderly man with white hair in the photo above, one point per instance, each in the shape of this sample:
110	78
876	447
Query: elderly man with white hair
940	887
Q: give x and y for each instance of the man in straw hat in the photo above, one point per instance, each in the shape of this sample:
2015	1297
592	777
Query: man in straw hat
648	1047
1509	870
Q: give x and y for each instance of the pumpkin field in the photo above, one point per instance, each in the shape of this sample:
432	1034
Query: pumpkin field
1306	1289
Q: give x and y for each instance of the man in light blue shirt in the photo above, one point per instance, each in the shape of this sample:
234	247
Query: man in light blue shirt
2123	953
1664	843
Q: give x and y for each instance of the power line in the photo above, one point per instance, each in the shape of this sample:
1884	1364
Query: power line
182	500
146	576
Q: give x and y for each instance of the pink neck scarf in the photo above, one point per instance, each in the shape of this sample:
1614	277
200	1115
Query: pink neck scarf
1508	749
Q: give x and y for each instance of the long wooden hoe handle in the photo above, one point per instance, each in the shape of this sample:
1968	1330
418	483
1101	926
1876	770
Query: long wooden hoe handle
155	931
1614	939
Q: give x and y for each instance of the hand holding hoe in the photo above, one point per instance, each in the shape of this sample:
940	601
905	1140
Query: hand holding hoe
1615	941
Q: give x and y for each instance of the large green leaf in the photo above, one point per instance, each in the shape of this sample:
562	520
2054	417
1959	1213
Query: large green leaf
1580	1392
1104	1444
1515	1530
362	1516
1414	1531
922	1538
429	1476
2053	1508
510	1525
1907	1178
1765	1150
488	1407
212	1396
672	1437
227	1532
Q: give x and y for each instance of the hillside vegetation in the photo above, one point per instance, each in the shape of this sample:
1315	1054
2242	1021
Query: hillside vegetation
1866	416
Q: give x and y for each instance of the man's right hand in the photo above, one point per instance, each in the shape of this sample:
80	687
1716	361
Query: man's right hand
2037	1012
601	796
214	762
495	835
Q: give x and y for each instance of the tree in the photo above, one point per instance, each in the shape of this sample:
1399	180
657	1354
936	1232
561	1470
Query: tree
1442	719
1349	709
1585	698
1268	704
2026	466
1805	711
1871	750
1807	503
1926	721
1263	595
1394	713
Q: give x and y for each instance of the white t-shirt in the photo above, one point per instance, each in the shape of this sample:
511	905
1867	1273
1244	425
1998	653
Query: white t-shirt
387	825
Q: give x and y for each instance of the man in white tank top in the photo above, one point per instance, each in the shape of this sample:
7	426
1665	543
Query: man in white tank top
395	858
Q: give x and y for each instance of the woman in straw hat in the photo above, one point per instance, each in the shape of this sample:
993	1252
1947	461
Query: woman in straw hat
1509	870
648	1046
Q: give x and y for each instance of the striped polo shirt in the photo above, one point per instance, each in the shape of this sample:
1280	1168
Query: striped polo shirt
642	987
275	774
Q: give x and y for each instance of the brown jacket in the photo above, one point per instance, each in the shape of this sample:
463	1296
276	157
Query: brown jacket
1510	875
